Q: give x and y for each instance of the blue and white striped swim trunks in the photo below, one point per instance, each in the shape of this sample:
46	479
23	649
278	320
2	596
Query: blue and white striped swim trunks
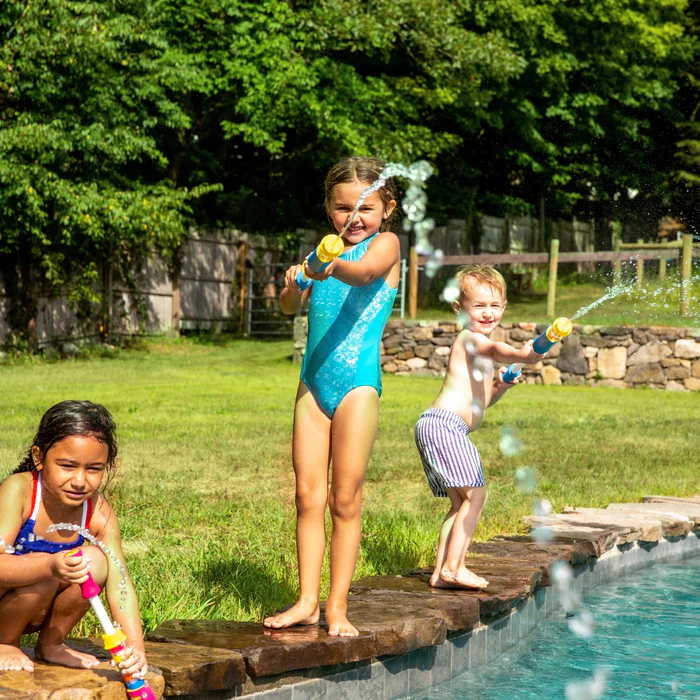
449	458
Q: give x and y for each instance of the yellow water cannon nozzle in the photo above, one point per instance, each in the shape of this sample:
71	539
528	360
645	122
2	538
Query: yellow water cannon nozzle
562	327
330	247
111	641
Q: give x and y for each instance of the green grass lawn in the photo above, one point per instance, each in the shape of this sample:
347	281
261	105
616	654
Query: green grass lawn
205	487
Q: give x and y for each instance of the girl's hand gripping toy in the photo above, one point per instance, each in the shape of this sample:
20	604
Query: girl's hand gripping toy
136	688
544	342
327	251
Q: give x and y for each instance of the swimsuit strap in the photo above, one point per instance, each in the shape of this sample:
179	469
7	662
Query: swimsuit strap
36	495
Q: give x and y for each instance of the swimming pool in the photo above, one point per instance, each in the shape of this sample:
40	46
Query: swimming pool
647	634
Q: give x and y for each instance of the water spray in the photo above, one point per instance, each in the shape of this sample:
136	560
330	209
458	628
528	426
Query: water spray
544	342
113	638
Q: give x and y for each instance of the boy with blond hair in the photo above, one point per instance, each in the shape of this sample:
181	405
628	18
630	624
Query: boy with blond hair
451	462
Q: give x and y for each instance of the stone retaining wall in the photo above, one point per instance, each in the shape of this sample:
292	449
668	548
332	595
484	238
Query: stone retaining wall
619	356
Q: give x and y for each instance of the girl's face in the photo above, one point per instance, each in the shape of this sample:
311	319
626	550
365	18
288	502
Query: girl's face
370	216
72	469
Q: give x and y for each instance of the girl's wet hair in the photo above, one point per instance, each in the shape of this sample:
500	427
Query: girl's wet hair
70	418
365	170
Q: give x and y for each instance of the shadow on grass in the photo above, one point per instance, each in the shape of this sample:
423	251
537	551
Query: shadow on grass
241	583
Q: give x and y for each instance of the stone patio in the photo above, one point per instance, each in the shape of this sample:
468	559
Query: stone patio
411	635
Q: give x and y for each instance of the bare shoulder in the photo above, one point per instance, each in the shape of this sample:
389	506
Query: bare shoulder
386	238
16	492
104	519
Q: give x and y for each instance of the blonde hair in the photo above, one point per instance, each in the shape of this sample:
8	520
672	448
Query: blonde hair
365	170
470	276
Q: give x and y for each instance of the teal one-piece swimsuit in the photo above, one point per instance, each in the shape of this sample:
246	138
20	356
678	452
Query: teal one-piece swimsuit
345	332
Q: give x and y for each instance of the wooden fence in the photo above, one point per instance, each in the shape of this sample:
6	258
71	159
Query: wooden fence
635	253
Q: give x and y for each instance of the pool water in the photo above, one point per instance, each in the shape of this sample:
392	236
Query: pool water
647	634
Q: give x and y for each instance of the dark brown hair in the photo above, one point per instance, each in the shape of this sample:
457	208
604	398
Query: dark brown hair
366	170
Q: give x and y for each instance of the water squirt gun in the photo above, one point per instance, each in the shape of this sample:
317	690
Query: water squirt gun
327	251
544	342
114	639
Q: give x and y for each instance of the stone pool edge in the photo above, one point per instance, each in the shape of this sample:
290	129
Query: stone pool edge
398	676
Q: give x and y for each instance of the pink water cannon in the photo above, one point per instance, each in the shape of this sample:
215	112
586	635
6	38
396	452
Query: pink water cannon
114	639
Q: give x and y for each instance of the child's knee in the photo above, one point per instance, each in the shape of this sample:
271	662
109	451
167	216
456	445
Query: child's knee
344	504
311	497
98	565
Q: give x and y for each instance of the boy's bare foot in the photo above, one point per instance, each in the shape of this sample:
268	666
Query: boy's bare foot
462	578
338	623
64	656
301	613
12	659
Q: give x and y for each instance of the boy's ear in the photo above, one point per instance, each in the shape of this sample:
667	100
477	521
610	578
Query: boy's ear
457	307
37	458
389	208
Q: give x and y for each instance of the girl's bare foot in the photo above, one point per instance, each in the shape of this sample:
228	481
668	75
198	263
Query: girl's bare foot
301	613
338	623
462	578
64	656
12	659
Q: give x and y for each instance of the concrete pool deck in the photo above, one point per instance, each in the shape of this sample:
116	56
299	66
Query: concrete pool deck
412	636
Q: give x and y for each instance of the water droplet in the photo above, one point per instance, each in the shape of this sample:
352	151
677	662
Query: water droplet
525	479
451	292
588	690
477	408
542	508
582	624
542	534
510	444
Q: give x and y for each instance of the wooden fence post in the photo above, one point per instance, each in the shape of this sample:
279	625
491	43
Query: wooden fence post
617	265
640	266
412	282
662	268
553	266
176	297
686	270
243	295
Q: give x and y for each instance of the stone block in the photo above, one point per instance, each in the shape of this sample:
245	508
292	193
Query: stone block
695	370
420	334
640	337
692	384
406	355
573	380
437	363
634	527
673	524
590	351
551	375
571	358
393	351
687	349
597	342
60	683
520	334
499	335
424	351
392	341
390	367
600	539
674	386
612	384
416	363
677	372
448	326
442	351
268	652
189	670
688	507
617	331
653	351
612	362
444	339
645	374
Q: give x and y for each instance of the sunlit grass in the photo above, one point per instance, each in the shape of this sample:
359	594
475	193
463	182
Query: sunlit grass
205	487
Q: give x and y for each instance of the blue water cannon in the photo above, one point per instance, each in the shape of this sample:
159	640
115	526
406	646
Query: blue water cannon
544	342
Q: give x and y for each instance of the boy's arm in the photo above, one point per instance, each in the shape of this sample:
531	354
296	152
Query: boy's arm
500	352
500	387
381	256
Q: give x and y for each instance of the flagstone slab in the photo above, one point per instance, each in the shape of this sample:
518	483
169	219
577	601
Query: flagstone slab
49	682
399	626
509	583
674	525
457	612
645	529
600	539
672	499
683	507
189	669
581	549
269	652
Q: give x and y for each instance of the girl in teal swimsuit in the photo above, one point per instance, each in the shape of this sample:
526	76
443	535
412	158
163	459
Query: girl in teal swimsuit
58	481
337	405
